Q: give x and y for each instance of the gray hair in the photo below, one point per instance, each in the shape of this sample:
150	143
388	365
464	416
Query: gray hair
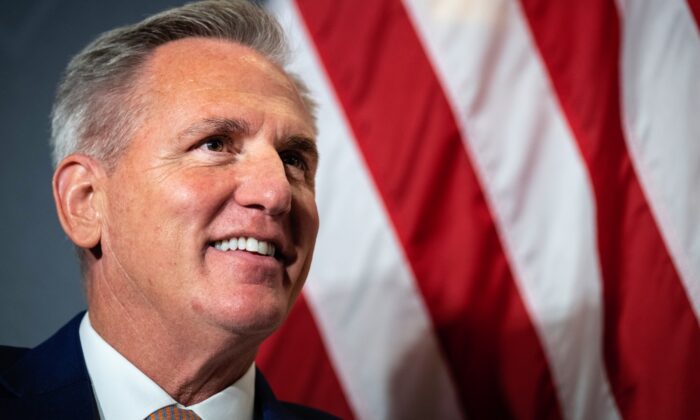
97	107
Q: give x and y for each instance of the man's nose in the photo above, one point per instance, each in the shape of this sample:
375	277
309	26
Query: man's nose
263	183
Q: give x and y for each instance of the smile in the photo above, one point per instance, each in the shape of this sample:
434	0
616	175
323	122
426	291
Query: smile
246	244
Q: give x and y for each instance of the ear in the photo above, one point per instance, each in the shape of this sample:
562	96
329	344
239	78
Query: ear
75	189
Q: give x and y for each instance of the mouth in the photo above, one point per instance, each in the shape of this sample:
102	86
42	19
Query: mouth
248	244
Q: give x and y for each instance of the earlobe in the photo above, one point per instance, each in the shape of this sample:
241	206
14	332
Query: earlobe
75	189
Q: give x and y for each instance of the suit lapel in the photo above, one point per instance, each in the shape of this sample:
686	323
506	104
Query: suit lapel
267	407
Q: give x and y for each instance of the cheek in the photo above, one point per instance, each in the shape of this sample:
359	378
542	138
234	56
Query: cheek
305	222
164	210
191	198
306	219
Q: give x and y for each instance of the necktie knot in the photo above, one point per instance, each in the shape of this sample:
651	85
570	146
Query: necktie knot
173	412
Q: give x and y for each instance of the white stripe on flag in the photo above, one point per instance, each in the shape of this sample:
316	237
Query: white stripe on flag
376	328
661	102
534	179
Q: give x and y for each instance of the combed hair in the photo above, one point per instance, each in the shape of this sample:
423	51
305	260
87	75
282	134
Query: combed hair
97	107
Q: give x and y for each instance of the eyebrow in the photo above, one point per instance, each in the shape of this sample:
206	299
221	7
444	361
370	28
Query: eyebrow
226	126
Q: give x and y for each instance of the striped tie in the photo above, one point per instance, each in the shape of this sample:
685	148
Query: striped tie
173	412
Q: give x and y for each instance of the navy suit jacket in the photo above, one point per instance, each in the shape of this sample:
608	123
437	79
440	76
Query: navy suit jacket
51	381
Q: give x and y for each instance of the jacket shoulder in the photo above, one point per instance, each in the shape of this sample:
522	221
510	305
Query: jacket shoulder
9	355
48	381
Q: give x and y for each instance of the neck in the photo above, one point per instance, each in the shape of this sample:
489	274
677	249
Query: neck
190	364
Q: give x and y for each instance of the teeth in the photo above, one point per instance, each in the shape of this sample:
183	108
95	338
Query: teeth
251	245
246	244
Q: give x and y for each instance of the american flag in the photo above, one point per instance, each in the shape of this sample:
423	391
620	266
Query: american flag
509	204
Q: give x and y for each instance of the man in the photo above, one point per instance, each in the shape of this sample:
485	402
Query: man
185	162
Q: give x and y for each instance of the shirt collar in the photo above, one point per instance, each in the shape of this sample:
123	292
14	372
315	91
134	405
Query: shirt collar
122	391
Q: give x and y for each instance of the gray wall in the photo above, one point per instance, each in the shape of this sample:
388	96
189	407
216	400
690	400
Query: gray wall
40	285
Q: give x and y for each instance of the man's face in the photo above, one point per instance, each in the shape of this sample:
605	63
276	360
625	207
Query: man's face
226	151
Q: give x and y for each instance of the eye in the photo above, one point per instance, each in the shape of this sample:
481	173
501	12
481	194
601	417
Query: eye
295	159
214	144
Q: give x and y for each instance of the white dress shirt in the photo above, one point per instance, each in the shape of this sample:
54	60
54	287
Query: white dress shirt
123	392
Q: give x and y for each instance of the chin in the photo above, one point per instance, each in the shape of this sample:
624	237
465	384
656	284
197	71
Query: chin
251	314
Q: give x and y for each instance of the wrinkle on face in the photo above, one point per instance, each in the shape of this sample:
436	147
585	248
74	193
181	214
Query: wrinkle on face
170	166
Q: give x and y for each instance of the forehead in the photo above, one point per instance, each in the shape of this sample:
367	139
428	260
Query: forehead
210	76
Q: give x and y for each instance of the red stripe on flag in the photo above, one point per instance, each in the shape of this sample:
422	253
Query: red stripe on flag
651	339
295	363
695	8
412	146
